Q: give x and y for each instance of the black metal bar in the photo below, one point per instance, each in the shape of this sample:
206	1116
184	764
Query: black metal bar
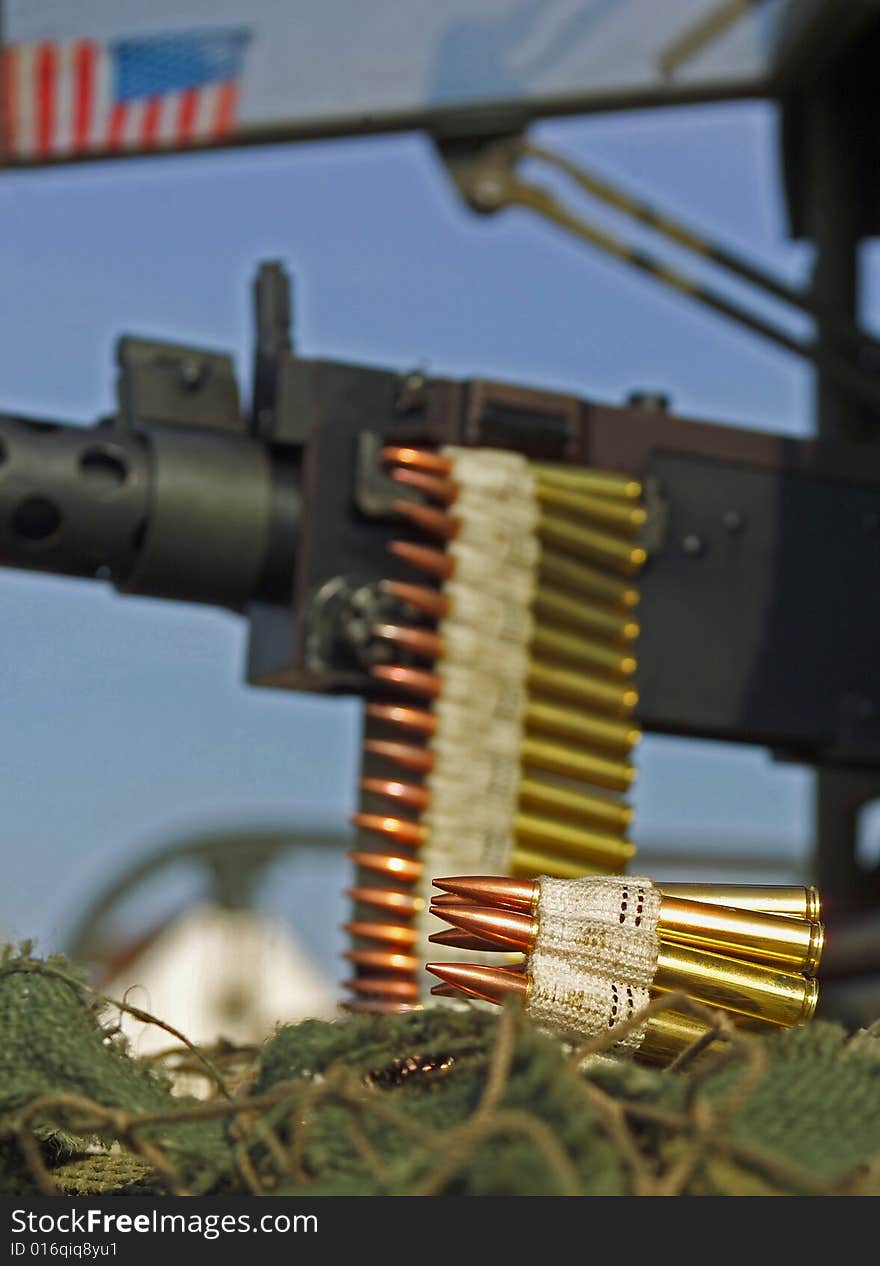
471	119
831	193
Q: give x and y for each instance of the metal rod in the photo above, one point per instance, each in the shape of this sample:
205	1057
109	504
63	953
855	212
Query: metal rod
831	221
674	230
845	374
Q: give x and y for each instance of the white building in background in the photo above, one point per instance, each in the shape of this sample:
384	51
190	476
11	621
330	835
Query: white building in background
220	974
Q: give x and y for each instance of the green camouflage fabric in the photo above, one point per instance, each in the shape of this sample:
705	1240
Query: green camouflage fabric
450	1100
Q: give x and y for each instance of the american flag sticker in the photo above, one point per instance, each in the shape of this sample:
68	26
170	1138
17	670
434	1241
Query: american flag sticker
143	93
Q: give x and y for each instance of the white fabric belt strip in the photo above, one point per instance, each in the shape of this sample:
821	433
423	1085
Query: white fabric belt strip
486	636
596	954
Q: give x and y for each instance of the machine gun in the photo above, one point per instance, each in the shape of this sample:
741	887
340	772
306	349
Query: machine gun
757	609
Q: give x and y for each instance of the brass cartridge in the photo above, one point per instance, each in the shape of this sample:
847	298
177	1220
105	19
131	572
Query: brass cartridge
732	984
669	1033
794	944
618	698
600	483
529	862
599	547
619	515
798	902
573	762
579	577
581	651
572	723
573	842
612	815
557	607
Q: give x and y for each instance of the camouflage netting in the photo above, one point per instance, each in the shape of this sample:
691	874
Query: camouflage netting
445	1101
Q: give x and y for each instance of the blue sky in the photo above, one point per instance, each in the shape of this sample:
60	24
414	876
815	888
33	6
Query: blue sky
125	723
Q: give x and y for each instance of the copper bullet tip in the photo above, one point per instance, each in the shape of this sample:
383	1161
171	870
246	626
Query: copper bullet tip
436	522
420	641
439	489
449	899
503	927
421	458
383	960
377	1006
379	987
407	718
419	596
453	939
405	754
419	682
403	792
433	561
399	903
490	890
397	828
403	869
492	984
384	933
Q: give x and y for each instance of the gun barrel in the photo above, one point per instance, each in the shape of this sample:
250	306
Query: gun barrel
172	512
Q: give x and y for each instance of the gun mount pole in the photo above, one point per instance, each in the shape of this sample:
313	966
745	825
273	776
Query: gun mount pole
832	215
